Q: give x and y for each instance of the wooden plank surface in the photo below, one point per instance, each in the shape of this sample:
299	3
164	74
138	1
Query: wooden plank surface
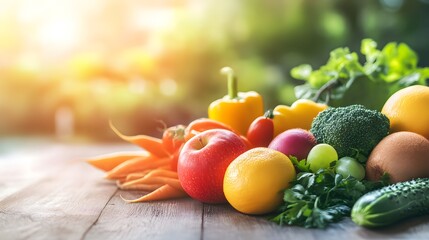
60	196
50	193
172	219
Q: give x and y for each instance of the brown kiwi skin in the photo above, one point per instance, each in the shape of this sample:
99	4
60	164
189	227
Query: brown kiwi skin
402	155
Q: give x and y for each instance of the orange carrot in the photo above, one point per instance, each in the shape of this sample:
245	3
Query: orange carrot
162	173
163	193
141	187
137	164
109	161
174	182
137	175
150	144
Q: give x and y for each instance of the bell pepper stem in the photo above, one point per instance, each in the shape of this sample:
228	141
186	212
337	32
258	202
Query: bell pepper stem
232	82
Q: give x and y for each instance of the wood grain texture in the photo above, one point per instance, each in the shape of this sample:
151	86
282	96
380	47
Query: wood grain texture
59	196
171	219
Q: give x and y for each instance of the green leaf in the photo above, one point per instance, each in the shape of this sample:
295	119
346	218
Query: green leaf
305	91
301	72
301	165
369	49
382	73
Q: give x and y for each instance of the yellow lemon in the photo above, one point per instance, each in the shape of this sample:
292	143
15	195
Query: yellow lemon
408	110
255	181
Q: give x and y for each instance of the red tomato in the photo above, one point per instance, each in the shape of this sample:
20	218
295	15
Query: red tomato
261	132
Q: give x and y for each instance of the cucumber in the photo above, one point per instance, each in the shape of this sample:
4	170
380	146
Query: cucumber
392	203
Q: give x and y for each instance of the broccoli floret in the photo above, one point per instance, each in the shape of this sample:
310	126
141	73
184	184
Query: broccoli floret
352	130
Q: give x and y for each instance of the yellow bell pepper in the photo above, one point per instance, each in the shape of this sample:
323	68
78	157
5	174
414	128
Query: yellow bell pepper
299	115
237	109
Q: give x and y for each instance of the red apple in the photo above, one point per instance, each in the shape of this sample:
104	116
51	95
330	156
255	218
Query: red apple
203	161
296	142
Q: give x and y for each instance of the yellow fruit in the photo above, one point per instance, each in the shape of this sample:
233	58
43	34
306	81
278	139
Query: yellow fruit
254	182
408	110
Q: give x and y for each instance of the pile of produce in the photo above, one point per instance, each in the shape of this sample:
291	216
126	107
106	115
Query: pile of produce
309	164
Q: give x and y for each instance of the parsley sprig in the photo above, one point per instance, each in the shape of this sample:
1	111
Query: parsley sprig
317	199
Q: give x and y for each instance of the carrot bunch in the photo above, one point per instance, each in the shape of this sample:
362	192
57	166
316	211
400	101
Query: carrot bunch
155	168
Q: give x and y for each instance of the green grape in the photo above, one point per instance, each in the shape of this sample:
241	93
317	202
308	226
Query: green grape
349	166
321	156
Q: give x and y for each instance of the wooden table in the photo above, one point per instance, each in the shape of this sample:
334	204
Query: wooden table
47	191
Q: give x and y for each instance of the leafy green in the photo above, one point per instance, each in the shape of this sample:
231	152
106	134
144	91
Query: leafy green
343	80
317	199
301	165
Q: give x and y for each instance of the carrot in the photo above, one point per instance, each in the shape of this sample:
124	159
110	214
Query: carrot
163	193
159	172
162	173
107	162
137	164
141	187
204	124
150	144
174	182
137	175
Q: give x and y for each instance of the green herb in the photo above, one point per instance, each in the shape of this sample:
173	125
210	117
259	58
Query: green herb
343	80
301	165
317	199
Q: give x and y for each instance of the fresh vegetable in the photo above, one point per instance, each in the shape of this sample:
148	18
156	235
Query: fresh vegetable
349	166
317	199
237	109
150	144
403	155
392	203
295	142
299	115
109	161
352	130
163	193
322	156
137	164
152	170
261	131
343	80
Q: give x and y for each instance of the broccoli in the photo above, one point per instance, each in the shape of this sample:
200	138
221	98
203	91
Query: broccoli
352	130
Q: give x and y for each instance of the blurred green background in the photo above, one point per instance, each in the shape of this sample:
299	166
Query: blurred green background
68	67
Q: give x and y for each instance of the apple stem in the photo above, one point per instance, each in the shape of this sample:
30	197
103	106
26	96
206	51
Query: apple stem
201	142
232	82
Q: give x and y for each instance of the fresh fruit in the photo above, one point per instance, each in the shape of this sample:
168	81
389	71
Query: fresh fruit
296	142
407	110
321	156
261	131
349	166
403	155
392	203
254	182
203	161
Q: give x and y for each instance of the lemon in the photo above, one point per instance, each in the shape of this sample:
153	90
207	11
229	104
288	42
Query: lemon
255	181
408	110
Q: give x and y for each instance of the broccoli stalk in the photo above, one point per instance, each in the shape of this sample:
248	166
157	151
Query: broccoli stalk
352	130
